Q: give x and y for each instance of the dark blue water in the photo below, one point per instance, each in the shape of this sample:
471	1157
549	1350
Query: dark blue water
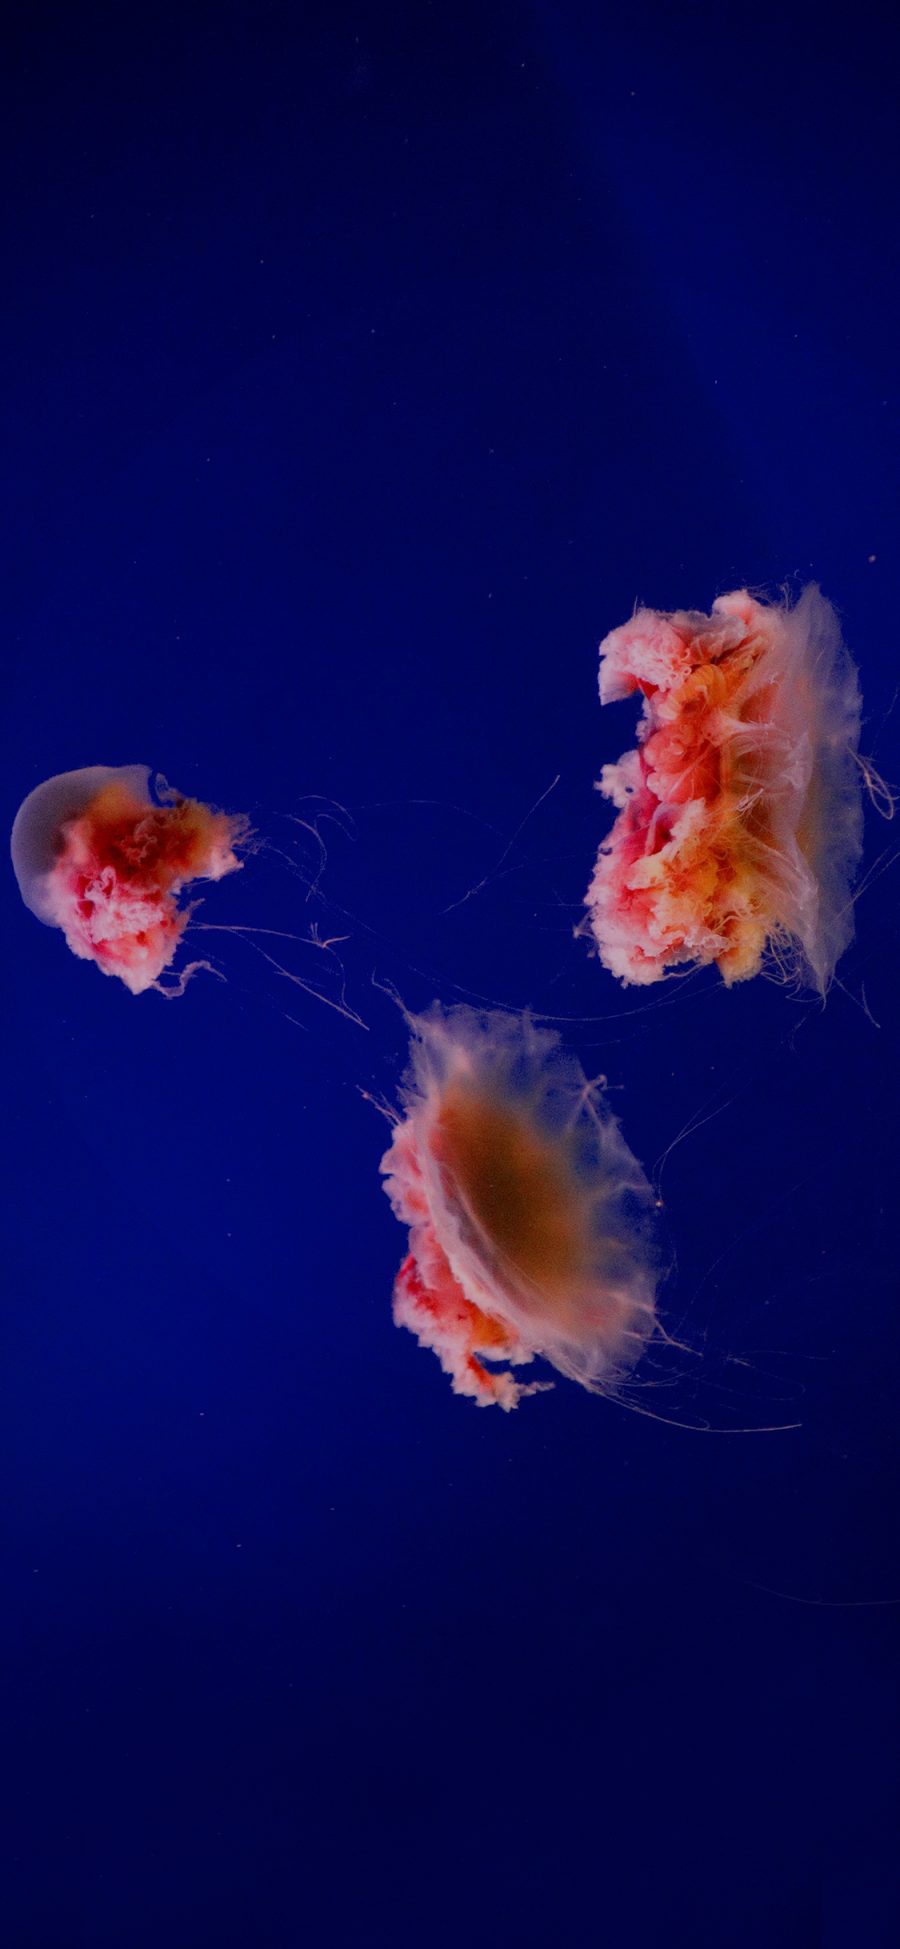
362	367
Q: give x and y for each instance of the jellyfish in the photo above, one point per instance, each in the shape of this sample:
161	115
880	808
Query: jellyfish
739	824
96	855
531	1225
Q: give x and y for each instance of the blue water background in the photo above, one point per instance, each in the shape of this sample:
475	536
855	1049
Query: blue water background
362	366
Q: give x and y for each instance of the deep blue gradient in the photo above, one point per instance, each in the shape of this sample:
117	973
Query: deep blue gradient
362	366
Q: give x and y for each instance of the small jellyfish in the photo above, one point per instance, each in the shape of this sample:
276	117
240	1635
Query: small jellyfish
97	856
740	816
531	1225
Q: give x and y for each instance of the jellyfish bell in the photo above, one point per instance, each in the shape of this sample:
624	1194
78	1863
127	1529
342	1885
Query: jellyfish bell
97	855
531	1225
739	827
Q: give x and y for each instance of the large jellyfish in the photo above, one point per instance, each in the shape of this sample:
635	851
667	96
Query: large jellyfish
740	820
531	1225
96	855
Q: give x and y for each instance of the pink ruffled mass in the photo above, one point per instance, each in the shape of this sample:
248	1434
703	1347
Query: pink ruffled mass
739	814
531	1225
98	857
